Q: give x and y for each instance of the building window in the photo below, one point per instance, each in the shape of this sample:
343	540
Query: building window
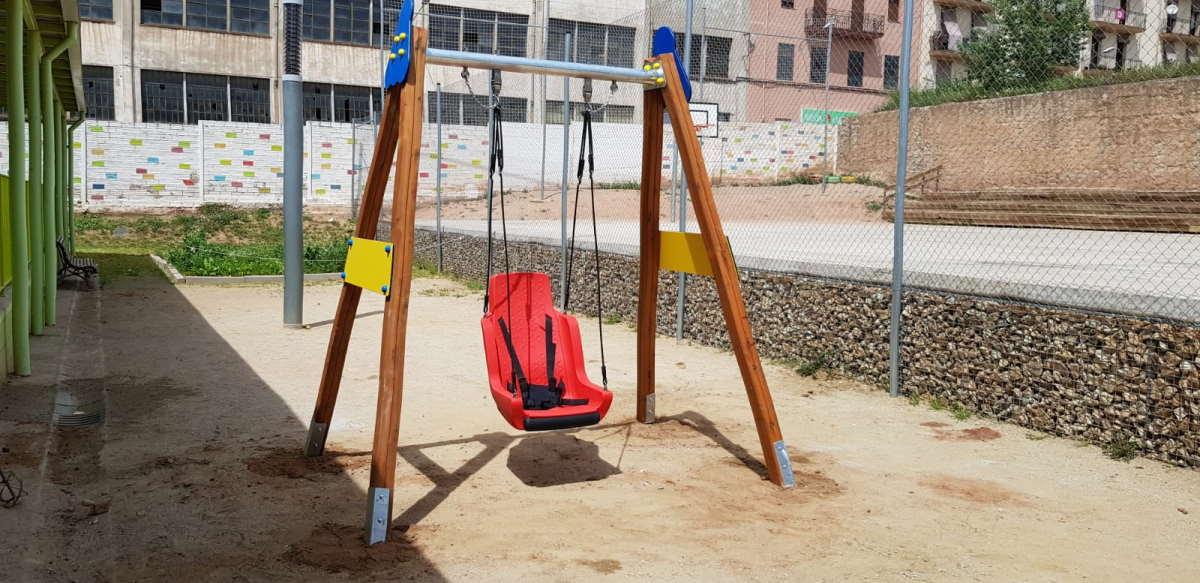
466	109
162	97
785	62
789	4
893	11
710	53
477	31
340	103
595	44
207	98
891	71
206	14
724	116
318	102
854	69
818	63
169	97
607	114
98	92
352	21
169	12
316	20
351	104
250	16
96	10
249	100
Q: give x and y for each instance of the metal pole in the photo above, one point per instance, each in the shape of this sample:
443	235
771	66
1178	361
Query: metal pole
681	294
829	20
438	180
566	162
542	67
545	53
18	211
293	169
898	225
40	189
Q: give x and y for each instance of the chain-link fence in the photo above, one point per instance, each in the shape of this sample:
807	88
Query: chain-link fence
1051	158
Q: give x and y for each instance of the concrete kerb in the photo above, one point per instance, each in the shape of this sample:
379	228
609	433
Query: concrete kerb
175	277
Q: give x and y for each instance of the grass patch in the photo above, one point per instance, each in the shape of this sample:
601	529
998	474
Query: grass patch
117	265
796	179
1121	448
1035	436
959	412
938	404
914	400
215	239
807	367
612	319
874	206
961	91
620	185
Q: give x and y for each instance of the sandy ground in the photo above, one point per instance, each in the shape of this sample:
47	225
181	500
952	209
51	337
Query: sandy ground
800	202
196	473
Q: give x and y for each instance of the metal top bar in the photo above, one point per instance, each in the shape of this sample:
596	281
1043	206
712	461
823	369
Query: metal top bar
542	66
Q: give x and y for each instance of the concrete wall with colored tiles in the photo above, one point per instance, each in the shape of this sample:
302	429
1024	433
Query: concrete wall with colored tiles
139	166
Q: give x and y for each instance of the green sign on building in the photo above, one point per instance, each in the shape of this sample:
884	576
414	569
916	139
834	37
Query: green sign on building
817	116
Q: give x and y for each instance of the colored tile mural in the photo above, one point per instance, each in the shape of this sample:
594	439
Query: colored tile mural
157	165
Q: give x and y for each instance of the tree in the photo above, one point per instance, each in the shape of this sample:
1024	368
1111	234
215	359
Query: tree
1026	39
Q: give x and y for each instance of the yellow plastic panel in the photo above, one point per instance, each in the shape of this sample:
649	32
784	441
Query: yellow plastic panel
684	252
369	265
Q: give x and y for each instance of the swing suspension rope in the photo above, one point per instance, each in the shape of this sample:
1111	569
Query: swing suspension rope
496	177
586	144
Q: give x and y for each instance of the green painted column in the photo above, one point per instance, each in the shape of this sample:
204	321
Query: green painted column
18	209
64	187
50	203
70	181
39	190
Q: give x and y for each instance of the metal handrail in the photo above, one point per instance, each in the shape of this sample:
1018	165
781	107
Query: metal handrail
1108	13
543	66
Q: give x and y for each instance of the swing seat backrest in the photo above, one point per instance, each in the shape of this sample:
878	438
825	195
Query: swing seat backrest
524	304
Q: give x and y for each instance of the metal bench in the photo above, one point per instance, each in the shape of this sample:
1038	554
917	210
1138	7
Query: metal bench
68	266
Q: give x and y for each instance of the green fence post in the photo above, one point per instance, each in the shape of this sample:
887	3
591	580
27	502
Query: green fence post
18	207
40	189
70	142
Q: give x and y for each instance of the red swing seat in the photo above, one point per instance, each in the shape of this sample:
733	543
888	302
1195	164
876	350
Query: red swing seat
535	358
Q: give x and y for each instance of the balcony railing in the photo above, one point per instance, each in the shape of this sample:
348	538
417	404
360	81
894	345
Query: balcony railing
940	41
845	23
1110	63
1117	15
1180	26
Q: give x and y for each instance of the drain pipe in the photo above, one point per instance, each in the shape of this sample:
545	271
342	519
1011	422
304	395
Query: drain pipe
18	203
52	210
293	168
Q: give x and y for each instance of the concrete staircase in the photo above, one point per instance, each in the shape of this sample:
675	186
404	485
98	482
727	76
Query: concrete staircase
1092	209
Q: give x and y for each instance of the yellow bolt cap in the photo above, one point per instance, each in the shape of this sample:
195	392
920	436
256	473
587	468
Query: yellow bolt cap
391	56
646	67
396	38
399	51
660	81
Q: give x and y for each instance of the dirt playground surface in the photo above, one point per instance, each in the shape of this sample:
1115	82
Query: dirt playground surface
798	202
196	473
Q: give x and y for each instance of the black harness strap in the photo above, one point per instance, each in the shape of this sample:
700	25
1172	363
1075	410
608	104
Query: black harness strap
519	379
537	397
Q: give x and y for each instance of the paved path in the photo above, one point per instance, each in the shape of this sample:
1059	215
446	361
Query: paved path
1152	274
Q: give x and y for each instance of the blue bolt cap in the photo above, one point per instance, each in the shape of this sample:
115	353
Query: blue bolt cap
343	275
350	242
387	248
384	289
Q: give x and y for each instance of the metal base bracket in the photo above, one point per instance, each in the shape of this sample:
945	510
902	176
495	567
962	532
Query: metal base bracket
649	418
785	465
315	445
378	515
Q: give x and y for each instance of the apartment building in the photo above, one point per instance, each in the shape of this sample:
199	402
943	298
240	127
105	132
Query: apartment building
1125	34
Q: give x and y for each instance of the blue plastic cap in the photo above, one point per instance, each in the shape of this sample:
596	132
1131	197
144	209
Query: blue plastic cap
387	248
343	275
664	43
400	52
383	289
349	242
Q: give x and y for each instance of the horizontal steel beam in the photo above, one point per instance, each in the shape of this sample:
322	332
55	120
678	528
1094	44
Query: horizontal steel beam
542	67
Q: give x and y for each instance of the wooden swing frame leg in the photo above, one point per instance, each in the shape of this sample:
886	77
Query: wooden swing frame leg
347	308
395	313
775	456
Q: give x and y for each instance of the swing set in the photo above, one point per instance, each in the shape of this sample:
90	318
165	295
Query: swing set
534	354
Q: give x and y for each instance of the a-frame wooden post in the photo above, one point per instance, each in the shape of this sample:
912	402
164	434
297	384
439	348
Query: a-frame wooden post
395	313
725	273
347	308
647	318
